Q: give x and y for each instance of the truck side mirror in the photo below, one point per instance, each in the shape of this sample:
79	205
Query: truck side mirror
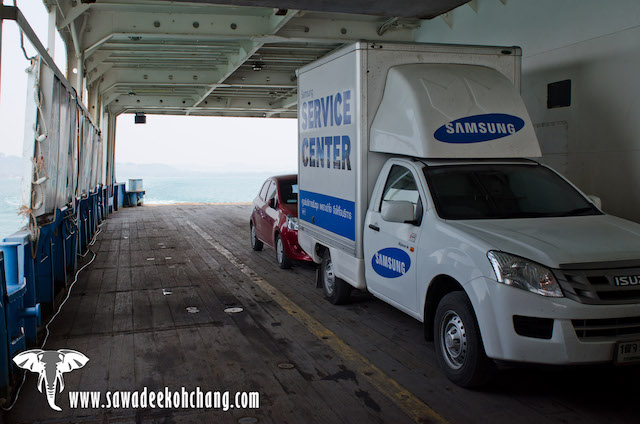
596	200
272	203
398	211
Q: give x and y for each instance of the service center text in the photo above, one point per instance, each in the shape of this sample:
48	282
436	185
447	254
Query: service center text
327	151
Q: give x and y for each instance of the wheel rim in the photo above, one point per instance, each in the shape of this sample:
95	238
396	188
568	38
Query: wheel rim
253	235
280	250
329	278
453	340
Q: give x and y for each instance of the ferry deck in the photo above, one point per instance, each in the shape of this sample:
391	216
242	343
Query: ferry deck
310	361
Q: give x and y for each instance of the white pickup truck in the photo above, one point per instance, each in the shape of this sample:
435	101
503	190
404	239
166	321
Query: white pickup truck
416	184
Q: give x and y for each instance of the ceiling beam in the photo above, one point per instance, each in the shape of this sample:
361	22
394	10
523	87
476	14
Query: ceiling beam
70	12
110	27
210	58
284	105
260	107
136	76
199	112
147	76
96	60
388	8
144	26
348	28
247	50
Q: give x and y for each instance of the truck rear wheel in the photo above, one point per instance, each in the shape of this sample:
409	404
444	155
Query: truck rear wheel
336	290
458	343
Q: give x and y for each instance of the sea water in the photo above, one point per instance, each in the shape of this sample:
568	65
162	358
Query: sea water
222	188
10	221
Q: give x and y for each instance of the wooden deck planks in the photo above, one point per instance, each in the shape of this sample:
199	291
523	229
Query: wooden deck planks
128	314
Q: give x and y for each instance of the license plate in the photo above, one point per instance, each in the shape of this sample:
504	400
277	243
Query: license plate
628	352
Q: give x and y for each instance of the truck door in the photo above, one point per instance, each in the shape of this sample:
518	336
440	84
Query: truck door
390	246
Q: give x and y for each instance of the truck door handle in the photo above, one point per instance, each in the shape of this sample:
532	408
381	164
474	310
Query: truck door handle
374	227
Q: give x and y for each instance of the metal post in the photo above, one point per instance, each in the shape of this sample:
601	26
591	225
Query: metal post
111	141
51	34
4	337
80	76
79	63
1	21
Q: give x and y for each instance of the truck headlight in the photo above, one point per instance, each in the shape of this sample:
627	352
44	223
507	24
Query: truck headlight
292	222
519	272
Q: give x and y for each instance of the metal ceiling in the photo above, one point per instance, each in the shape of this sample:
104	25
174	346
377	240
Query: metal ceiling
425	9
201	57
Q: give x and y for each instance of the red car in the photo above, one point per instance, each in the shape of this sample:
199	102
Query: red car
274	219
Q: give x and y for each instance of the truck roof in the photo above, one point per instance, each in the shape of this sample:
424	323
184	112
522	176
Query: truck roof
444	110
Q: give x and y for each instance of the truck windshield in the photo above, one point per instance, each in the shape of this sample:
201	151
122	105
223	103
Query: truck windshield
503	191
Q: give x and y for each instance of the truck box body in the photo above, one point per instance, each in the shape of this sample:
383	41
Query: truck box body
339	97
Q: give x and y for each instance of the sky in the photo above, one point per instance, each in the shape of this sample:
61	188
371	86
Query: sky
209	144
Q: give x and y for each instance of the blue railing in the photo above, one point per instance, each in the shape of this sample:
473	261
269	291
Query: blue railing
35	275
38	265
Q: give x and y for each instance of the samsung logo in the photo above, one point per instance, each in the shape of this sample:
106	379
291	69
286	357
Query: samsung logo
627	280
391	262
479	128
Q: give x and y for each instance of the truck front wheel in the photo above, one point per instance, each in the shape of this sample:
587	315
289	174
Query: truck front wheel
458	343
336	290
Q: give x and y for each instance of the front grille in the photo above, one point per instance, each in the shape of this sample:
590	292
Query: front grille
606	328
597	286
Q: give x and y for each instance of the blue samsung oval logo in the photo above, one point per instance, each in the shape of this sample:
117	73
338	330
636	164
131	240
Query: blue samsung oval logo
479	128
391	262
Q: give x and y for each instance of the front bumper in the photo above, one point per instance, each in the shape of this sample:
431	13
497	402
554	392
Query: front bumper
291	246
496	304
